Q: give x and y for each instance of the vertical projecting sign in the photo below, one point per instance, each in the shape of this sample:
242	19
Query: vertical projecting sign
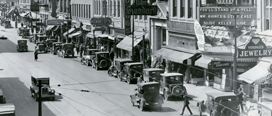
127	17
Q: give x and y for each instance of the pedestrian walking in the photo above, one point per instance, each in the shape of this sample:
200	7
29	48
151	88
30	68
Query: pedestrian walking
36	55
186	104
201	107
240	97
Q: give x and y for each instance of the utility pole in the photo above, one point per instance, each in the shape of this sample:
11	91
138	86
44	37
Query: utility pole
40	98
132	49
234	79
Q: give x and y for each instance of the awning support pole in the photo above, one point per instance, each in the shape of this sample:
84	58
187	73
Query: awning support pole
132	49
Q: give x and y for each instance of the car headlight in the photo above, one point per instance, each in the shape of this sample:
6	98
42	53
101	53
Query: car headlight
52	91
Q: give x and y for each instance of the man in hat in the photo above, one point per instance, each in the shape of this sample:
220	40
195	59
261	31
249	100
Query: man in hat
186	104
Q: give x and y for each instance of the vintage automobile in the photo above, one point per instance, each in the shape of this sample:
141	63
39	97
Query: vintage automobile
40	47
7	24
2	97
7	109
35	38
131	72
3	37
172	85
49	43
117	66
101	60
66	50
88	55
40	38
46	91
152	74
22	45
219	103
55	47
147	94
23	31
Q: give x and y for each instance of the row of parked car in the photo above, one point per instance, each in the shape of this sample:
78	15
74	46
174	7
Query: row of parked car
153	85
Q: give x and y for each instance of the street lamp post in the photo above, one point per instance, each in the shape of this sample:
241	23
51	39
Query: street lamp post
234	79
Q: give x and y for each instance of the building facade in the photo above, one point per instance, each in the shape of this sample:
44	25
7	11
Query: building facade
223	22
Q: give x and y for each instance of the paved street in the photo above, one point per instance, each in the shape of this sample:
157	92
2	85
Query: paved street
108	95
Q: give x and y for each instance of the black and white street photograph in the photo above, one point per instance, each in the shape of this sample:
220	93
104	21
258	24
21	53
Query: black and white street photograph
135	57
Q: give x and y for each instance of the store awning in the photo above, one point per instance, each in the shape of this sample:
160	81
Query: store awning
173	55
49	27
105	36
75	34
257	72
203	61
69	31
126	43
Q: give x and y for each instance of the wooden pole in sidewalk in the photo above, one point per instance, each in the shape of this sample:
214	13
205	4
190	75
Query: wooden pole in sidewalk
40	98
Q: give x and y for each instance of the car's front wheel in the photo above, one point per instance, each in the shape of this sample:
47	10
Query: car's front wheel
142	105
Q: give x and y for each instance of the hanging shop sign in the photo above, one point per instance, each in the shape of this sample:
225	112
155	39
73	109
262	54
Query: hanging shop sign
142	7
181	27
221	64
221	16
255	48
127	17
199	35
101	21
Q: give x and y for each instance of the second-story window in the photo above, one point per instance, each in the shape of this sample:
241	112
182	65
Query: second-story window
182	7
114	8
119	7
190	9
110	8
89	11
175	8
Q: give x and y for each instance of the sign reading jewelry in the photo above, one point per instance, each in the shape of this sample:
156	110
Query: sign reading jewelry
255	48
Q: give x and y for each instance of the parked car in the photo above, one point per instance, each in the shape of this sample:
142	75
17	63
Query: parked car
131	72
2	97
172	85
21	31
3	37
46	91
22	45
34	39
88	55
118	66
7	24
40	38
222	103
49	44
40	47
147	94
66	50
152	74
7	109
55	47
101	60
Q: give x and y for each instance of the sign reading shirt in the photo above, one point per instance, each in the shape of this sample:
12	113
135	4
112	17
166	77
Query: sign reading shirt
255	48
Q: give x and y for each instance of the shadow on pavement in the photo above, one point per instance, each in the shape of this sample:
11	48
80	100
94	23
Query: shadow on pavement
17	93
7	46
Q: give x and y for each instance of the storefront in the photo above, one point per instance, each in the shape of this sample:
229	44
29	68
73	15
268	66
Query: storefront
126	46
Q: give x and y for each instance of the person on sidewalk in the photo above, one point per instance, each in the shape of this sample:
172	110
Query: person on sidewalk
36	55
201	107
240	99
186	104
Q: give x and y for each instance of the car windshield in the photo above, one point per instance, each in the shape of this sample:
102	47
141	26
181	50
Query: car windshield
46	82
151	88
136	66
173	80
90	52
22	42
106	55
